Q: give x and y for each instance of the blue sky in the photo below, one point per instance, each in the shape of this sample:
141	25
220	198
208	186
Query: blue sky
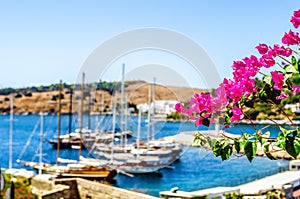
42	42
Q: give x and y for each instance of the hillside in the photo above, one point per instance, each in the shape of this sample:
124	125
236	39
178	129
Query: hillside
99	99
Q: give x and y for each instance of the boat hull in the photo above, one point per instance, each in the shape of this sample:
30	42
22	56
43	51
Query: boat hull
65	144
86	172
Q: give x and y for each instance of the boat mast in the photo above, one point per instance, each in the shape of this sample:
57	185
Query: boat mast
122	104
125	121
138	132
70	110
102	104
41	141
149	116
114	104
90	108
153	113
81	114
11	120
113	128
58	122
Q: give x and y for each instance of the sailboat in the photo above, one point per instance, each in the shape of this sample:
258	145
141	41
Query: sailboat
71	139
72	168
138	157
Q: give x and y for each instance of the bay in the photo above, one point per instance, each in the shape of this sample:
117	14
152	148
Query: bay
195	170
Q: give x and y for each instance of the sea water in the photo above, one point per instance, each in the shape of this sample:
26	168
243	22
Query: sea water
197	169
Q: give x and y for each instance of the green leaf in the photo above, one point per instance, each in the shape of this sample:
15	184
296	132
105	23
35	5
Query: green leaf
247	136
217	149
206	122
283	130
237	145
289	83
289	143
196	142
289	140
259	137
262	138
297	145
211	141
250	149
222	148
267	152
227	119
199	139
294	61
268	79
249	103
227	151
280	142
291	69
262	95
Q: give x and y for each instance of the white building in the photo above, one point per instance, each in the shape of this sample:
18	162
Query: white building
294	107
163	107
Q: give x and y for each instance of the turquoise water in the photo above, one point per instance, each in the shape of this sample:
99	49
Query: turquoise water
195	170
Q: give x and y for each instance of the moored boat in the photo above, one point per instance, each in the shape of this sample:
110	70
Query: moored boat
74	170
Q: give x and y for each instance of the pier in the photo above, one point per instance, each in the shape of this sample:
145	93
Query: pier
280	181
187	137
287	182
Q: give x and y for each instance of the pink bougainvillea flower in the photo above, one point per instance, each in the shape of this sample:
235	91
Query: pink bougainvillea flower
296	89
179	107
220	100
201	102
271	53
187	112
198	120
245	70
253	65
249	87
237	114
237	65
267	61
291	38
288	52
233	90
262	49
278	79
281	50
296	18
282	96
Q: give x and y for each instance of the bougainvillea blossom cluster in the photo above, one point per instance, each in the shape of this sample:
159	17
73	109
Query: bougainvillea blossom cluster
228	99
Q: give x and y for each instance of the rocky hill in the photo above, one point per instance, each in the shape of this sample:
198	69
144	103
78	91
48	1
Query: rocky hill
96	100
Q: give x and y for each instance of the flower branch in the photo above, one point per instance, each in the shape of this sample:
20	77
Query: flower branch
242	92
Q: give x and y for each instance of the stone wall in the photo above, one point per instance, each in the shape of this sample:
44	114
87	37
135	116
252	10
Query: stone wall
77	188
94	190
47	189
72	184
56	194
86	189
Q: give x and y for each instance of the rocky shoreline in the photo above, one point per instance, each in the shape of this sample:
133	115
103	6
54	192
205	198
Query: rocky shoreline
96	100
